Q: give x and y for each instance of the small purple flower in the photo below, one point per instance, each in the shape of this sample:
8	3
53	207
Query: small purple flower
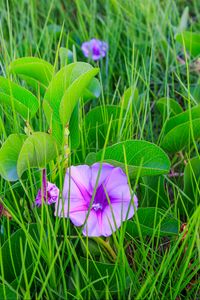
102	213
49	192
94	49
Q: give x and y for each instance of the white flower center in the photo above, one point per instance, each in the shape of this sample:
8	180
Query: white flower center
97	206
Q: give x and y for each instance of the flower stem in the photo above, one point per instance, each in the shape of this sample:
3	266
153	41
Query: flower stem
44	183
107	246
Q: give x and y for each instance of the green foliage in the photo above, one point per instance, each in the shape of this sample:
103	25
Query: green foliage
191	41
63	93
37	151
107	271
152	221
191	185
18	98
73	94
74	128
35	71
93	90
9	154
142	158
97	122
129	97
180	129
7	294
12	251
148	257
168	107
153	192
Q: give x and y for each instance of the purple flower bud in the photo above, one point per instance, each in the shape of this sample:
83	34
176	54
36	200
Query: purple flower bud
49	192
1	209
97	198
94	49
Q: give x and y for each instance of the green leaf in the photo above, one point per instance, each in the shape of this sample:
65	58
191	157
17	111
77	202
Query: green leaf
9	155
191	185
57	90
92	91
101	273
183	21
35	71
153	221
178	130
11	253
153	192
168	107
102	114
73	94
130	96
10	294
13	95
38	150
74	129
66	56
97	122
90	158
191	40
195	91
142	158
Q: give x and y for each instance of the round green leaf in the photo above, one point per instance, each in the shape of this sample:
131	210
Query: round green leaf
97	122
102	114
182	118
191	40
178	130
23	101
38	150
10	294
11	259
153	221
35	71
73	94
60	84
74	135
168	107
191	186
92	91
142	158
9	155
180	136
130	95
66	56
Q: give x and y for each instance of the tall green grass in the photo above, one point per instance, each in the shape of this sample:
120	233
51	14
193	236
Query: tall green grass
142	53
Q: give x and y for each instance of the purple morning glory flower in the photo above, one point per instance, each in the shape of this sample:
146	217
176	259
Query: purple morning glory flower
49	192
102	213
94	49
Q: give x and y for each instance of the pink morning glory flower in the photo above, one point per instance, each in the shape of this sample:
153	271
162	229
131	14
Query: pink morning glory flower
99	213
94	49
49	192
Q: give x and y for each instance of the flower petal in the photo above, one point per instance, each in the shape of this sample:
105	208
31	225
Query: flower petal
81	175
78	217
72	198
116	178
92	227
71	189
112	218
100	170
120	193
